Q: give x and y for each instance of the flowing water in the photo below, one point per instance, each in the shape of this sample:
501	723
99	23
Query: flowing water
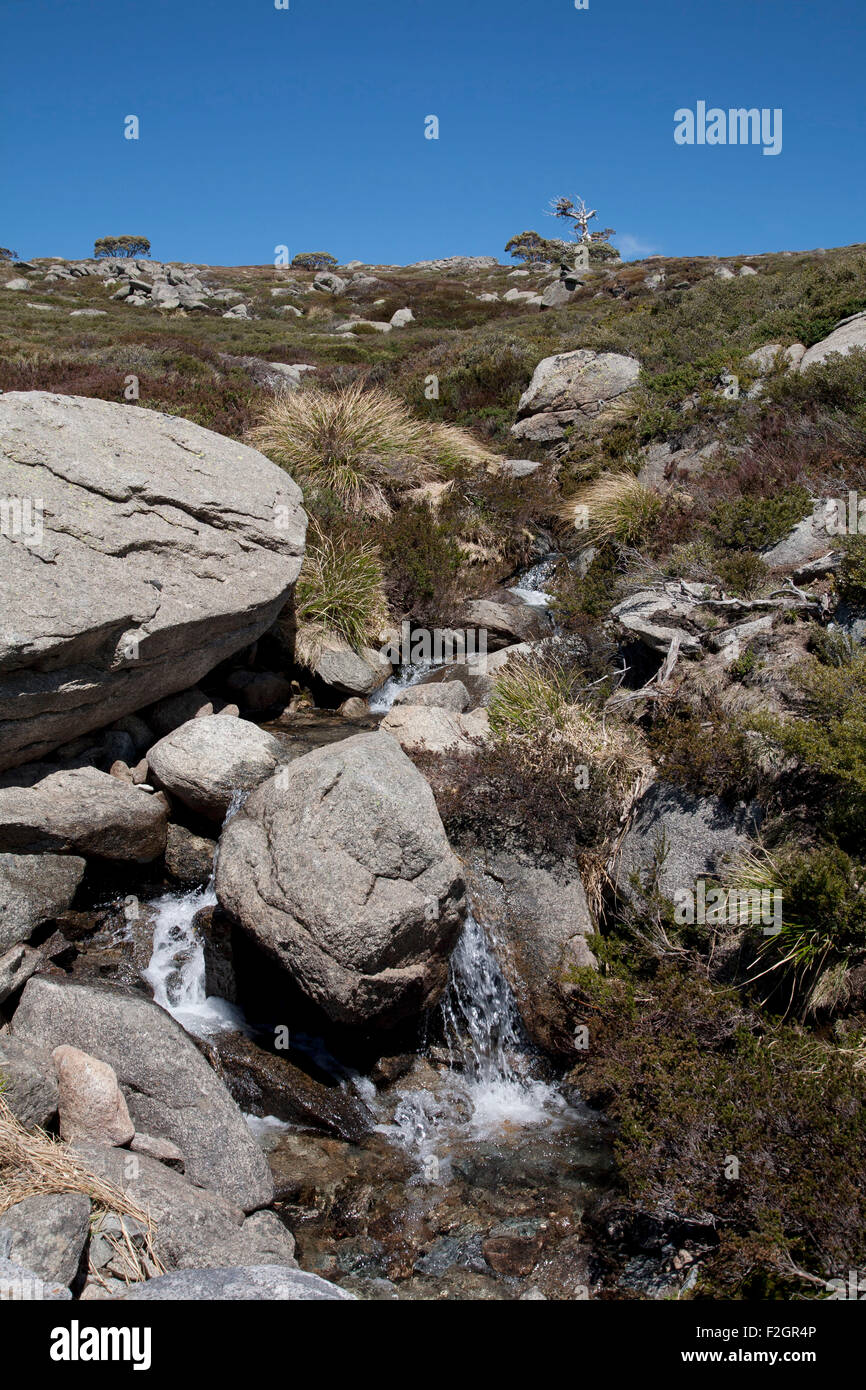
478	1153
382	699
530	584
176	971
488	1090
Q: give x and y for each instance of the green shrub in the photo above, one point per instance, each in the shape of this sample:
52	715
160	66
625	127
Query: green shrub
699	746
422	562
690	1081
852	571
827	736
752	523
577	600
743	665
743	573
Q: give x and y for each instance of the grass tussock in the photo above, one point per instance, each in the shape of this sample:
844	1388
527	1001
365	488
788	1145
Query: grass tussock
33	1164
339	590
615	507
554	725
360	444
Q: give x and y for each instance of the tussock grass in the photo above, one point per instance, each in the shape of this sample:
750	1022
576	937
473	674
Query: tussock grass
339	590
360	445
32	1164
823	921
613	507
543	709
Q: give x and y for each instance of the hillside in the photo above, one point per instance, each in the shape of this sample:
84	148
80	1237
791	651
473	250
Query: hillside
642	803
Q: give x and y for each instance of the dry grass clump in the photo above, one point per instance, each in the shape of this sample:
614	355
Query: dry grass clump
358	445
32	1164
616	507
543	711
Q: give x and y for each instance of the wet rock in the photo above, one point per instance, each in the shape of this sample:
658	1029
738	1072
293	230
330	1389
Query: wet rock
83	811
538	923
354	708
49	1233
514	622
265	1083
216	931
188	857
341	870
206	761
512	1248
169	1087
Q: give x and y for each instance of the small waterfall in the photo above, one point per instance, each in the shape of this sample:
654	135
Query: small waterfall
529	585
486	1038
176	971
488	1092
382	699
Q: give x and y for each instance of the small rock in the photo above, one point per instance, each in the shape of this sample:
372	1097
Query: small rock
92	1107
49	1233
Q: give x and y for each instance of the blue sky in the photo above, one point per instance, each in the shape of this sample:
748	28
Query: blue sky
305	127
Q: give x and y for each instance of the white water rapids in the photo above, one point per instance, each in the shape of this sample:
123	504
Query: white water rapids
487	1091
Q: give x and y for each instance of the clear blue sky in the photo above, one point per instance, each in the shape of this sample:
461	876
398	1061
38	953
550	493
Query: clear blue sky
305	126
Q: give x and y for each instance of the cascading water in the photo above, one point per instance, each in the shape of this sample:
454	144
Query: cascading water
488	1091
176	971
530	584
412	673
